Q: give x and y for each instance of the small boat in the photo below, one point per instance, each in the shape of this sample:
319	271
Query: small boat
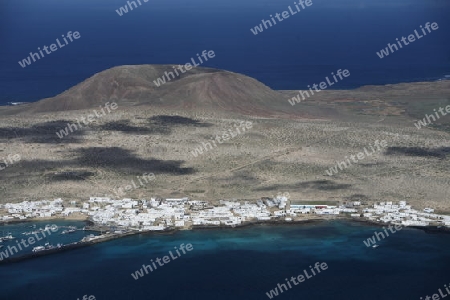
38	248
1	246
70	230
88	238
375	246
31	232
50	227
46	246
8	237
47	228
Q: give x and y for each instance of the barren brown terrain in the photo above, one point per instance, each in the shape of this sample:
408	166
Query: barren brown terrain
288	149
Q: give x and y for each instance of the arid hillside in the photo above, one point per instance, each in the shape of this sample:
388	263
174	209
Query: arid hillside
286	149
199	89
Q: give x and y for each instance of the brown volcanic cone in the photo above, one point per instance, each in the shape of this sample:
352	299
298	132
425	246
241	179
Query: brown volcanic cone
197	89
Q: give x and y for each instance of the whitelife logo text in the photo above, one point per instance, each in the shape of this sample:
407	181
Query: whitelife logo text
53	47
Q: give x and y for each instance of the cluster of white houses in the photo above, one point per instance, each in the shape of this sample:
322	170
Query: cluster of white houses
403	214
32	209
159	214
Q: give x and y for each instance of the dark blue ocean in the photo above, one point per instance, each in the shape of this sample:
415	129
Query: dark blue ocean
242	264
301	50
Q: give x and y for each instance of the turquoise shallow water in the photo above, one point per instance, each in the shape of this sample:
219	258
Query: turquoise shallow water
242	264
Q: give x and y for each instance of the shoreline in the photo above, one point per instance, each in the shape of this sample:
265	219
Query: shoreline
171	231
429	79
30	220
